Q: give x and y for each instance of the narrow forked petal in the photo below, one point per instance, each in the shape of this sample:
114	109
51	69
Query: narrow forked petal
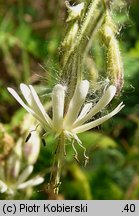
25	174
84	111
33	102
58	97
16	96
30	99
76	102
40	106
99	121
33	182
104	101
26	93
37	180
3	187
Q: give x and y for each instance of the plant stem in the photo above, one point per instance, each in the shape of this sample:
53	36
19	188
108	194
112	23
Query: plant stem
88	25
57	165
72	62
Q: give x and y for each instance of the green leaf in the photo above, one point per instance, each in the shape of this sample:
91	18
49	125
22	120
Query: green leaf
97	139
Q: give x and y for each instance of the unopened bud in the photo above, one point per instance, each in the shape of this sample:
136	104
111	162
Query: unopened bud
114	62
108	29
114	65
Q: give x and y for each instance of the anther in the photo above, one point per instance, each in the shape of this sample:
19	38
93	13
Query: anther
28	137
44	143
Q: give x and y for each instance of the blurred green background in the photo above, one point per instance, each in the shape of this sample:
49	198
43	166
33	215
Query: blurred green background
30	34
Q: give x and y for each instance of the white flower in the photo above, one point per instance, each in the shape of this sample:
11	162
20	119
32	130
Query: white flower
21	183
76	117
79	114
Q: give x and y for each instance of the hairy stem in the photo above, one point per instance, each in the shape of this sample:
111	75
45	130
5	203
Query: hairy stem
57	165
88	25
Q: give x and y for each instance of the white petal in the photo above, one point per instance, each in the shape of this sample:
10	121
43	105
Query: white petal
84	111
25	174
76	103
3	187
26	93
16	96
30	99
16	168
33	182
38	180
99	121
58	96
40	106
105	99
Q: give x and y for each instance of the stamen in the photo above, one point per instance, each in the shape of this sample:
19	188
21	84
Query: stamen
29	135
80	144
44	143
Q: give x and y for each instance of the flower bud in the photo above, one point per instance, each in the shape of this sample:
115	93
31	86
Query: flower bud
114	62
114	65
